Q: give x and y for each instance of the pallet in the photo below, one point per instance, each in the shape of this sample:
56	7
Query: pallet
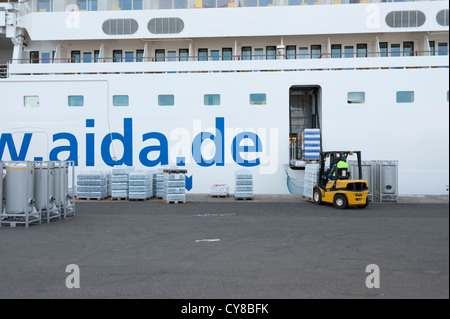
157	197
138	199
174	202
220	196
244	198
175	171
119	198
307	198
91	198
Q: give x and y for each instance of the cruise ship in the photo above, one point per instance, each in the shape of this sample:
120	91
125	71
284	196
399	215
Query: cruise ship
215	86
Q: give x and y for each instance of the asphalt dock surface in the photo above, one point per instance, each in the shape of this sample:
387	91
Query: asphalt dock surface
261	249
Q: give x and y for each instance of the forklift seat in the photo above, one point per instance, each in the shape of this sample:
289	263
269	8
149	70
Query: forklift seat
343	173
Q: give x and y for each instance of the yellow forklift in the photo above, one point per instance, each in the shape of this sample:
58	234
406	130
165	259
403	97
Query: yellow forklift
340	190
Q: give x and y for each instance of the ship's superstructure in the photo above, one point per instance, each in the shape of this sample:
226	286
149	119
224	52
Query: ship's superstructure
217	85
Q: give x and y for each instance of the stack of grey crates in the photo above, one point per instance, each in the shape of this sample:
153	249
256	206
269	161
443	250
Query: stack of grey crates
109	183
174	185
159	183
311	179
119	179
140	185
244	184
92	185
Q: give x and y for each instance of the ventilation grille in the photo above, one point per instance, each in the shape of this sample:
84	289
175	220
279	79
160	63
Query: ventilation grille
120	26
165	25
442	18
405	19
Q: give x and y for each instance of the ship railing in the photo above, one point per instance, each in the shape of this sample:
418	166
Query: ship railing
249	57
107	5
278	65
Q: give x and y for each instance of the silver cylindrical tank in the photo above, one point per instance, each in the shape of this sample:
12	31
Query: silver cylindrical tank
367	175
44	185
388	179
19	188
61	178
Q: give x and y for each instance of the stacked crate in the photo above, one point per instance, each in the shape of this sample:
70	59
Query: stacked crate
159	183
92	185
109	183
220	190
244	185
311	144
311	179
119	182
174	186
140	185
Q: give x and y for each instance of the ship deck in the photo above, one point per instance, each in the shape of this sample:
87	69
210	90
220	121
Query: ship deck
272	247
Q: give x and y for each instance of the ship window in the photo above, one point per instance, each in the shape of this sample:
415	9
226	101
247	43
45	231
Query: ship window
212	99
166	100
96	55
165	25
432	48
129	56
336	50
265	3
442	48
184	54
76	56
46	57
88	5
76	100
442	18
179	4
361	50
160	55
316	51
215	55
31	101
259	54
271	52
246	53
383	49
87	57
395	50
120	26
139	55
356	97
405	96
303	53
258	99
408	48
121	100
171	56
203	54
405	19
130	4
349	52
226	54
117	55
291	51
44	5
250	3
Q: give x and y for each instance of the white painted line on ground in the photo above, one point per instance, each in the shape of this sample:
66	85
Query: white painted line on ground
215	215
206	240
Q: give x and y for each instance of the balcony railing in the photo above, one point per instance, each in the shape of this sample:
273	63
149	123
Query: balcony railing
27	6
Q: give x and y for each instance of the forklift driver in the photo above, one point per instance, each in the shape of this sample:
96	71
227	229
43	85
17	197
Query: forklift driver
342	164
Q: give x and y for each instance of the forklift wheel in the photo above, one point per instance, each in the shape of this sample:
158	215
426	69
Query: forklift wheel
365	205
340	201
317	196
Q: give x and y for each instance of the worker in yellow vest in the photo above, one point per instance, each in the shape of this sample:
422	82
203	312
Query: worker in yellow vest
342	164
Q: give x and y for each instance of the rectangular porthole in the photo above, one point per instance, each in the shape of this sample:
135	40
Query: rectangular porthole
258	99
356	97
405	96
121	100
31	101
76	100
166	100
212	99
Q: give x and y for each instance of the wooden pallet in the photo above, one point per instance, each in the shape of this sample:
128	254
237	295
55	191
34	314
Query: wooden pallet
90	198
244	198
157	197
220	196
175	171
138	199
174	201
307	198
119	198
